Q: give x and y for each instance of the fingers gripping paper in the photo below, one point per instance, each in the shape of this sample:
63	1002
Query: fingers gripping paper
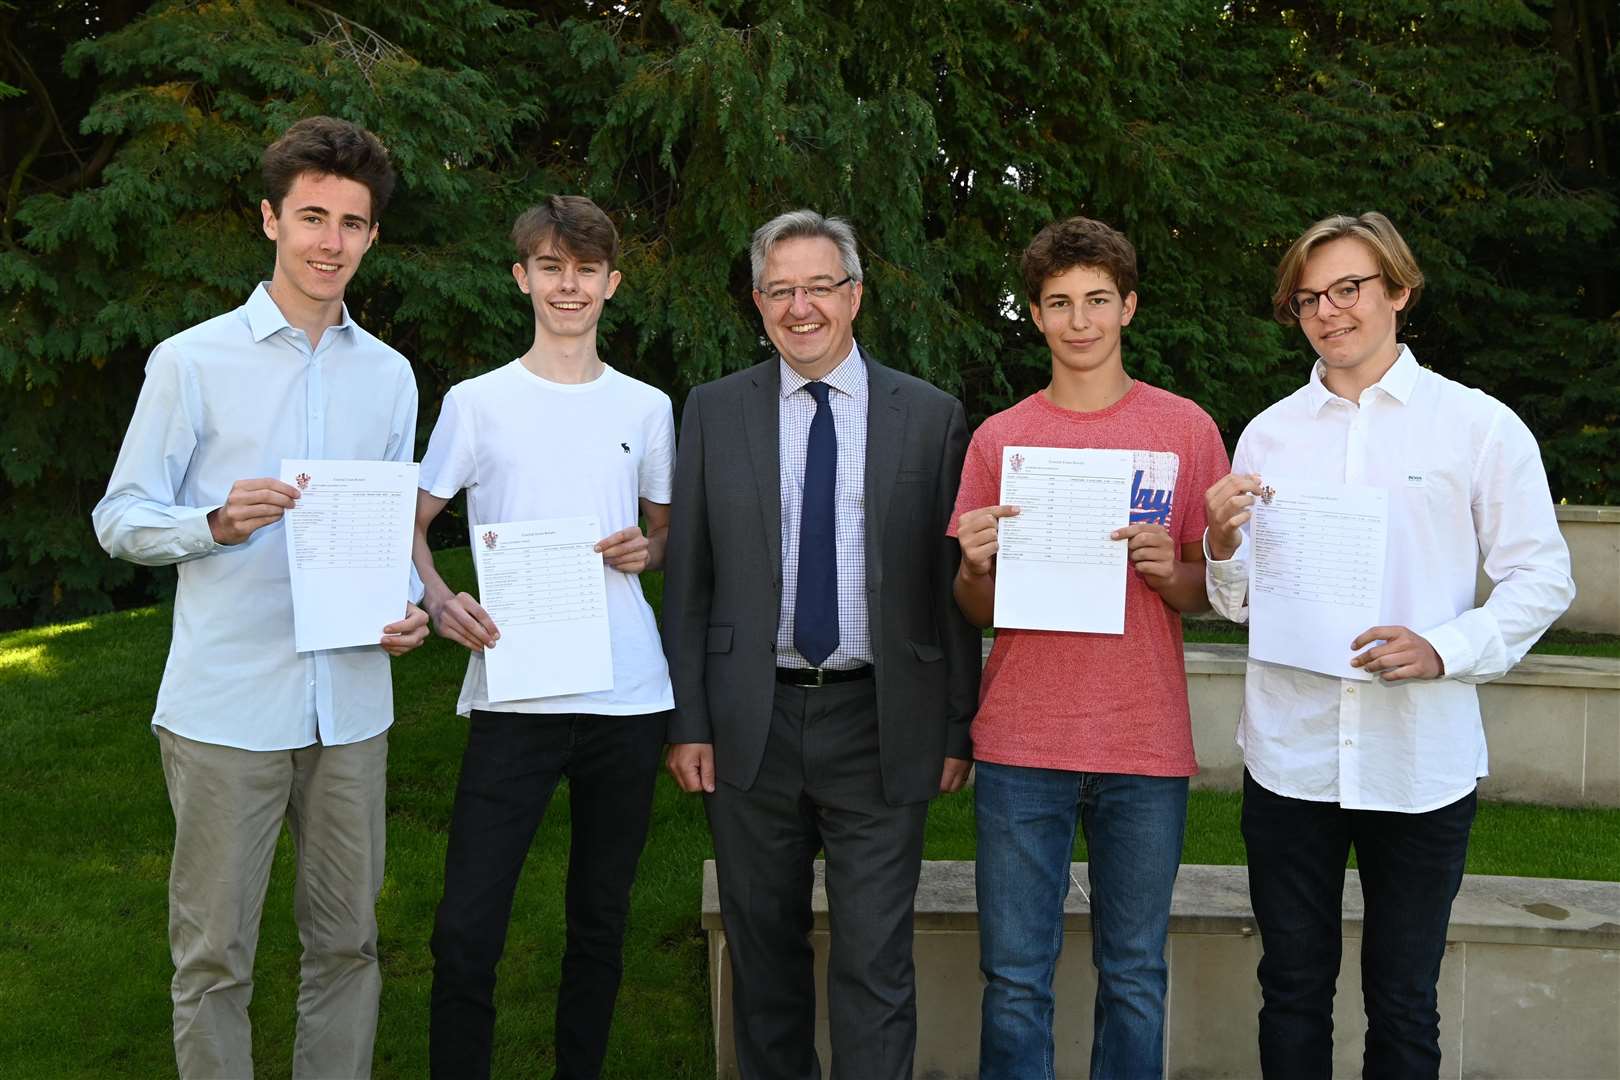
543	585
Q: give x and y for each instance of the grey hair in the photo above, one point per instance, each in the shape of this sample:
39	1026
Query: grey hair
797	223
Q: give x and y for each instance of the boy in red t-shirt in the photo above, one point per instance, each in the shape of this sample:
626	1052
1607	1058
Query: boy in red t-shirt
1087	729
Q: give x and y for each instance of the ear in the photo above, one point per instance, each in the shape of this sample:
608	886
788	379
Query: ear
521	276
612	285
1035	314
1399	298
372	238
854	299
1127	308
759	302
269	218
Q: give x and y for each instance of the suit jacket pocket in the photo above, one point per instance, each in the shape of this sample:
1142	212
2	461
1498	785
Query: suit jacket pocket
913	476
926	653
719	639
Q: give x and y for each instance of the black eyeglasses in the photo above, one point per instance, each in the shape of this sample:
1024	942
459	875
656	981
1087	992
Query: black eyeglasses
1341	294
784	294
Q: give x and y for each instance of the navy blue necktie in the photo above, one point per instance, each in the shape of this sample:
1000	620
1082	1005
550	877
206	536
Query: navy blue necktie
815	605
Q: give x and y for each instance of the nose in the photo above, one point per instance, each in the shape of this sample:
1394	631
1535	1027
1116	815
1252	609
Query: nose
332	236
1079	319
800	304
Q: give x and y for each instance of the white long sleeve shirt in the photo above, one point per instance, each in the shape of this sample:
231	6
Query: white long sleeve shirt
224	401
1465	479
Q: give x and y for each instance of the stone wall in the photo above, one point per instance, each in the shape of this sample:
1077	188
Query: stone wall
1530	986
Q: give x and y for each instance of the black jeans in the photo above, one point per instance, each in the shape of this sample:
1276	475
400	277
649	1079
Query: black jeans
511	767
1411	866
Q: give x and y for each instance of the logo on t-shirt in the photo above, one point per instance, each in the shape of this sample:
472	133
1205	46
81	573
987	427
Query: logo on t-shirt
625	447
1153	487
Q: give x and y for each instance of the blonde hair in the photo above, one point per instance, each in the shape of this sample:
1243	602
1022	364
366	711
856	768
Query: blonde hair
1395	262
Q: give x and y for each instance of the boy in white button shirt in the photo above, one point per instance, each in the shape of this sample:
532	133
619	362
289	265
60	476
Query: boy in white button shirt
251	731
555	433
1388	766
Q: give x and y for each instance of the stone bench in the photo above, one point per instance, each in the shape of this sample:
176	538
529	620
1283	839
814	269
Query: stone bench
1530	984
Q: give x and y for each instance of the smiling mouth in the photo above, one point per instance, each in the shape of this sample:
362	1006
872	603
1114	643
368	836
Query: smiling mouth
1333	334
325	268
568	305
804	328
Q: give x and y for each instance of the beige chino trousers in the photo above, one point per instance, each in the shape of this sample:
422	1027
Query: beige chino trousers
228	808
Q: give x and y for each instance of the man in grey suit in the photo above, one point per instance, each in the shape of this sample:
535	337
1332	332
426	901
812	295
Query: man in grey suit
824	678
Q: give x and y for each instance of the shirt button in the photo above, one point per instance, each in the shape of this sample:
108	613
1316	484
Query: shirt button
1349	742
312	682
1350	690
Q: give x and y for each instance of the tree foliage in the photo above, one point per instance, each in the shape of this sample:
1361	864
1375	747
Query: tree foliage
948	133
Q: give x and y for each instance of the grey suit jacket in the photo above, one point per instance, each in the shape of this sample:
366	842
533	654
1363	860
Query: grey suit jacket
723	576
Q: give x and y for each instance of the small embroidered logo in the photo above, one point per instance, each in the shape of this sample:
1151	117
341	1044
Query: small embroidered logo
1017	462
303	481
489	540
1267	493
625	447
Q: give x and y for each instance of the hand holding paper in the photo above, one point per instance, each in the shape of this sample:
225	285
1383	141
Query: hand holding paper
348	549
1056	566
1316	574
541	582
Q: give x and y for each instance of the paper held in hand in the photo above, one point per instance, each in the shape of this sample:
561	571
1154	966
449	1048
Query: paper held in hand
1056	568
348	549
1316	572
544	586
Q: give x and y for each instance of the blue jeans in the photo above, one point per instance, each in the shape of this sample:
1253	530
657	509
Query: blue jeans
1026	820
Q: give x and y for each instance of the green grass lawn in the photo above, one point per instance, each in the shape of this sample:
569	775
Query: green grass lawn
84	963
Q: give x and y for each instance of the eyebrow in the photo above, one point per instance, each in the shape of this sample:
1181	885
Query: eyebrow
813	278
1065	296
323	211
1302	287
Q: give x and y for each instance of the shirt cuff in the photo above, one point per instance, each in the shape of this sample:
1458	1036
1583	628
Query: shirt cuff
195	534
1456	652
1228	571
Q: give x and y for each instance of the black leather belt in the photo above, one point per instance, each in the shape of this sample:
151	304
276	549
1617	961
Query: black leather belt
815	676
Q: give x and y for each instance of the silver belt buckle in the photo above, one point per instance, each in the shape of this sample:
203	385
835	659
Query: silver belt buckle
821	676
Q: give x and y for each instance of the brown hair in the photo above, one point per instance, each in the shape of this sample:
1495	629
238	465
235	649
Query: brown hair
1078	241
574	223
1395	261
327	146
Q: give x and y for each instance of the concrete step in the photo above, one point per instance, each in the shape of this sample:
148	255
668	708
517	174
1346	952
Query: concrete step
1530	984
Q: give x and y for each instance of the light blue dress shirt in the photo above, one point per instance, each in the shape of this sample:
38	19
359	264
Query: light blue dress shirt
223	401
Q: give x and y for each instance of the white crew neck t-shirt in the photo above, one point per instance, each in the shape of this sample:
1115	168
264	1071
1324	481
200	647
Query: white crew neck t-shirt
525	447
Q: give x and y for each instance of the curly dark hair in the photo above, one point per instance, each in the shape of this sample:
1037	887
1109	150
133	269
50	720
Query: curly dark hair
1078	241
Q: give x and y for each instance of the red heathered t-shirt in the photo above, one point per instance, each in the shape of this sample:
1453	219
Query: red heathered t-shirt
1099	702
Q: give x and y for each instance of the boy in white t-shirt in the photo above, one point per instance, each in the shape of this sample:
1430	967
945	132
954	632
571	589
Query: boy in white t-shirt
555	433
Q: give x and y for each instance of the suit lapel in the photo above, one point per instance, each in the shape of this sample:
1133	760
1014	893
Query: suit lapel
885	435
762	432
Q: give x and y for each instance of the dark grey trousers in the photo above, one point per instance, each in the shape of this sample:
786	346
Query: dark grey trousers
820	788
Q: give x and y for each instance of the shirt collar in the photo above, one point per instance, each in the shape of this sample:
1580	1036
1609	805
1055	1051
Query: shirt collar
265	318
1398	382
849	377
